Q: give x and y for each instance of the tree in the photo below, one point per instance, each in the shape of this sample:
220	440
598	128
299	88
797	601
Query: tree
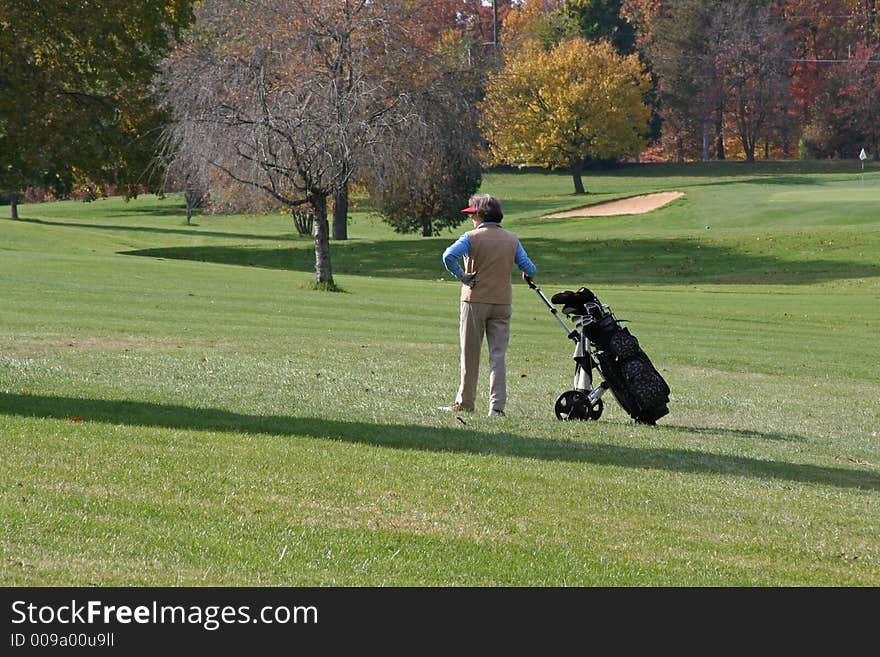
190	173
814	32
75	101
683	53
287	97
603	19
427	27
828	38
552	21
420	181
419	178
867	20
856	96
616	21
751	61
536	21
472	19
556	108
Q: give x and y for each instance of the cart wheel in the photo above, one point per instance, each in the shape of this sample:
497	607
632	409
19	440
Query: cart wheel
596	412
573	405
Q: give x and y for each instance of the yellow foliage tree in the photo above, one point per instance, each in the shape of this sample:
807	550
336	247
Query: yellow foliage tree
558	108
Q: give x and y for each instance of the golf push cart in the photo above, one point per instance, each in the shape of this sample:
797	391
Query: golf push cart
603	344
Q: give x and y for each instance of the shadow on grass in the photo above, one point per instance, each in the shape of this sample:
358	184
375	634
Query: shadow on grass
150	210
741	433
437	439
169	231
616	261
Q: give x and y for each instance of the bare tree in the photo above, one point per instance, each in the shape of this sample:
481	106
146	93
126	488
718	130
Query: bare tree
287	96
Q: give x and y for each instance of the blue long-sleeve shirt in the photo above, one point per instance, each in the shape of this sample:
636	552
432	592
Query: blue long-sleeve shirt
462	248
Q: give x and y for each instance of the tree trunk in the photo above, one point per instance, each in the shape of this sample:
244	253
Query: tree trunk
340	213
876	145
427	229
190	196
323	271
746	137
705	139
749	147
719	135
576	168
13	205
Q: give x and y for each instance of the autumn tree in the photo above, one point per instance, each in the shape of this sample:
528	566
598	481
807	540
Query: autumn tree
75	94
816	35
536	21
420	175
751	62
472	19
859	96
287	97
551	21
559	107
602	19
866	19
616	22
845	120
683	53
428	29
829	39
420	180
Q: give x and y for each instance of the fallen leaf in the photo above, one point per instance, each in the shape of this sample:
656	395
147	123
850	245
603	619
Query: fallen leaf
26	393
78	418
460	420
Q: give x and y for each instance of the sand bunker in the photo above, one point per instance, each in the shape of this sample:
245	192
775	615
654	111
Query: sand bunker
634	205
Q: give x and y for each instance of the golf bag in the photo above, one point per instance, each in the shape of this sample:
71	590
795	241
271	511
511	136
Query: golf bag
602	343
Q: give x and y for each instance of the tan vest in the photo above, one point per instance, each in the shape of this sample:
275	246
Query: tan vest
492	252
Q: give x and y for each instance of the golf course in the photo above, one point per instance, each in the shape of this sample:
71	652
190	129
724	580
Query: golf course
180	407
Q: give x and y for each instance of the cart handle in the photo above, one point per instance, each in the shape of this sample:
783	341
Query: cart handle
573	335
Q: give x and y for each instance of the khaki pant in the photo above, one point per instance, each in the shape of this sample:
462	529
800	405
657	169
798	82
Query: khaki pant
493	321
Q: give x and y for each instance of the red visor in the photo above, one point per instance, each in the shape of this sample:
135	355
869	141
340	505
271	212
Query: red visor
470	210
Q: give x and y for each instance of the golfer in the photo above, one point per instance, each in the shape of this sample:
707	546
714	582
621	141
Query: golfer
489	253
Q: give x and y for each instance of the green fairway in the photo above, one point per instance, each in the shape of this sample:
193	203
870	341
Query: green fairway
178	407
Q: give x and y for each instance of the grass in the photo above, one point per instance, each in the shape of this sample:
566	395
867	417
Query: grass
178	407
